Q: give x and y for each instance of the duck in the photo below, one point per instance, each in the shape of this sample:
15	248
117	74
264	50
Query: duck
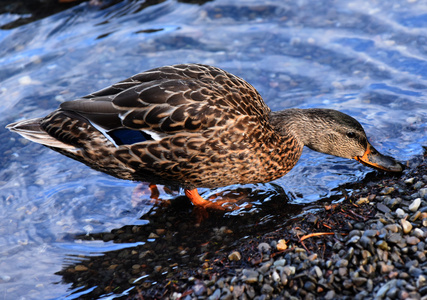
195	126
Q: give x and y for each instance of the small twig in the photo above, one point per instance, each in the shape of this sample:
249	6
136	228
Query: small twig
315	234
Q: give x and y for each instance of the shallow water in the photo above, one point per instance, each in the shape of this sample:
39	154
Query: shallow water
367	59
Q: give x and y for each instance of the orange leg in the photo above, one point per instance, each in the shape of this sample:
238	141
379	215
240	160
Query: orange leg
154	191
198	201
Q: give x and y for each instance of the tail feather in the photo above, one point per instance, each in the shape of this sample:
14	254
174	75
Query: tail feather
31	130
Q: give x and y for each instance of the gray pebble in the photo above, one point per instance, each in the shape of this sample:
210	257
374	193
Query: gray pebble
387	190
264	247
280	262
250	276
423	193
267	289
418	185
216	295
394	238
309	286
382	208
370	233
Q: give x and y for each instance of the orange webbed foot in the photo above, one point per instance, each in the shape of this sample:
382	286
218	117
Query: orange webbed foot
200	202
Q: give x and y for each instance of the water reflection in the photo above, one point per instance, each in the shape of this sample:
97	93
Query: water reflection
174	240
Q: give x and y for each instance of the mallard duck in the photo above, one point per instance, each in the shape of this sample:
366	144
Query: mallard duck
192	126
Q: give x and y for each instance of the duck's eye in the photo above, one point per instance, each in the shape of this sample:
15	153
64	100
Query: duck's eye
351	134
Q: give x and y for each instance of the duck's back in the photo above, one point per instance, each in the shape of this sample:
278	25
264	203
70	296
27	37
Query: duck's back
191	125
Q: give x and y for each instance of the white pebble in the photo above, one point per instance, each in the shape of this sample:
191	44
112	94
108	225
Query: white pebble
419	233
415	204
400	213
276	277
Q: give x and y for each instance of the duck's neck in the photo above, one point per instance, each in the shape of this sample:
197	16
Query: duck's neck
297	123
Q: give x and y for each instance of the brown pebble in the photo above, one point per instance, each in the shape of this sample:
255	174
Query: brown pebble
235	256
281	245
80	268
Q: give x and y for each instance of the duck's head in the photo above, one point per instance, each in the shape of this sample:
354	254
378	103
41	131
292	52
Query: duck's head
333	132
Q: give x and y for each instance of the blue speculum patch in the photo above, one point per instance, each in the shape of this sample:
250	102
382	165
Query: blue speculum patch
126	136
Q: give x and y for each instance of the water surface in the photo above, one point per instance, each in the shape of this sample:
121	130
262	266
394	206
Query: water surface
367	59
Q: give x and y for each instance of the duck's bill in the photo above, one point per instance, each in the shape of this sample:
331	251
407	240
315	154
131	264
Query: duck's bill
374	159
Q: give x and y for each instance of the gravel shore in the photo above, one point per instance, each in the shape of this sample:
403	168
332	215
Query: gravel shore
372	245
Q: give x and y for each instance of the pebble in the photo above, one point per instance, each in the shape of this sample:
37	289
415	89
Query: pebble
410	181
418	185
400	213
279	262
387	190
235	255
250	276
281	245
264	247
309	286
80	268
415	205
394	238
362	200
406	226
383	208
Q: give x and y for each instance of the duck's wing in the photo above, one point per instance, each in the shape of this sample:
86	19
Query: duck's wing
171	99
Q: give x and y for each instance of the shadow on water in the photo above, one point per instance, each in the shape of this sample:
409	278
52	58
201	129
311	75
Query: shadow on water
32	10
173	241
176	245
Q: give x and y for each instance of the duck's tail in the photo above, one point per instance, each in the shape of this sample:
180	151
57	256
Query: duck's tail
31	130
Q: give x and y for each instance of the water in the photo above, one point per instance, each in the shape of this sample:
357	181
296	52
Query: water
368	59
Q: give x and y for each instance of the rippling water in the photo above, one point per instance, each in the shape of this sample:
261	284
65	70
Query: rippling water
365	58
